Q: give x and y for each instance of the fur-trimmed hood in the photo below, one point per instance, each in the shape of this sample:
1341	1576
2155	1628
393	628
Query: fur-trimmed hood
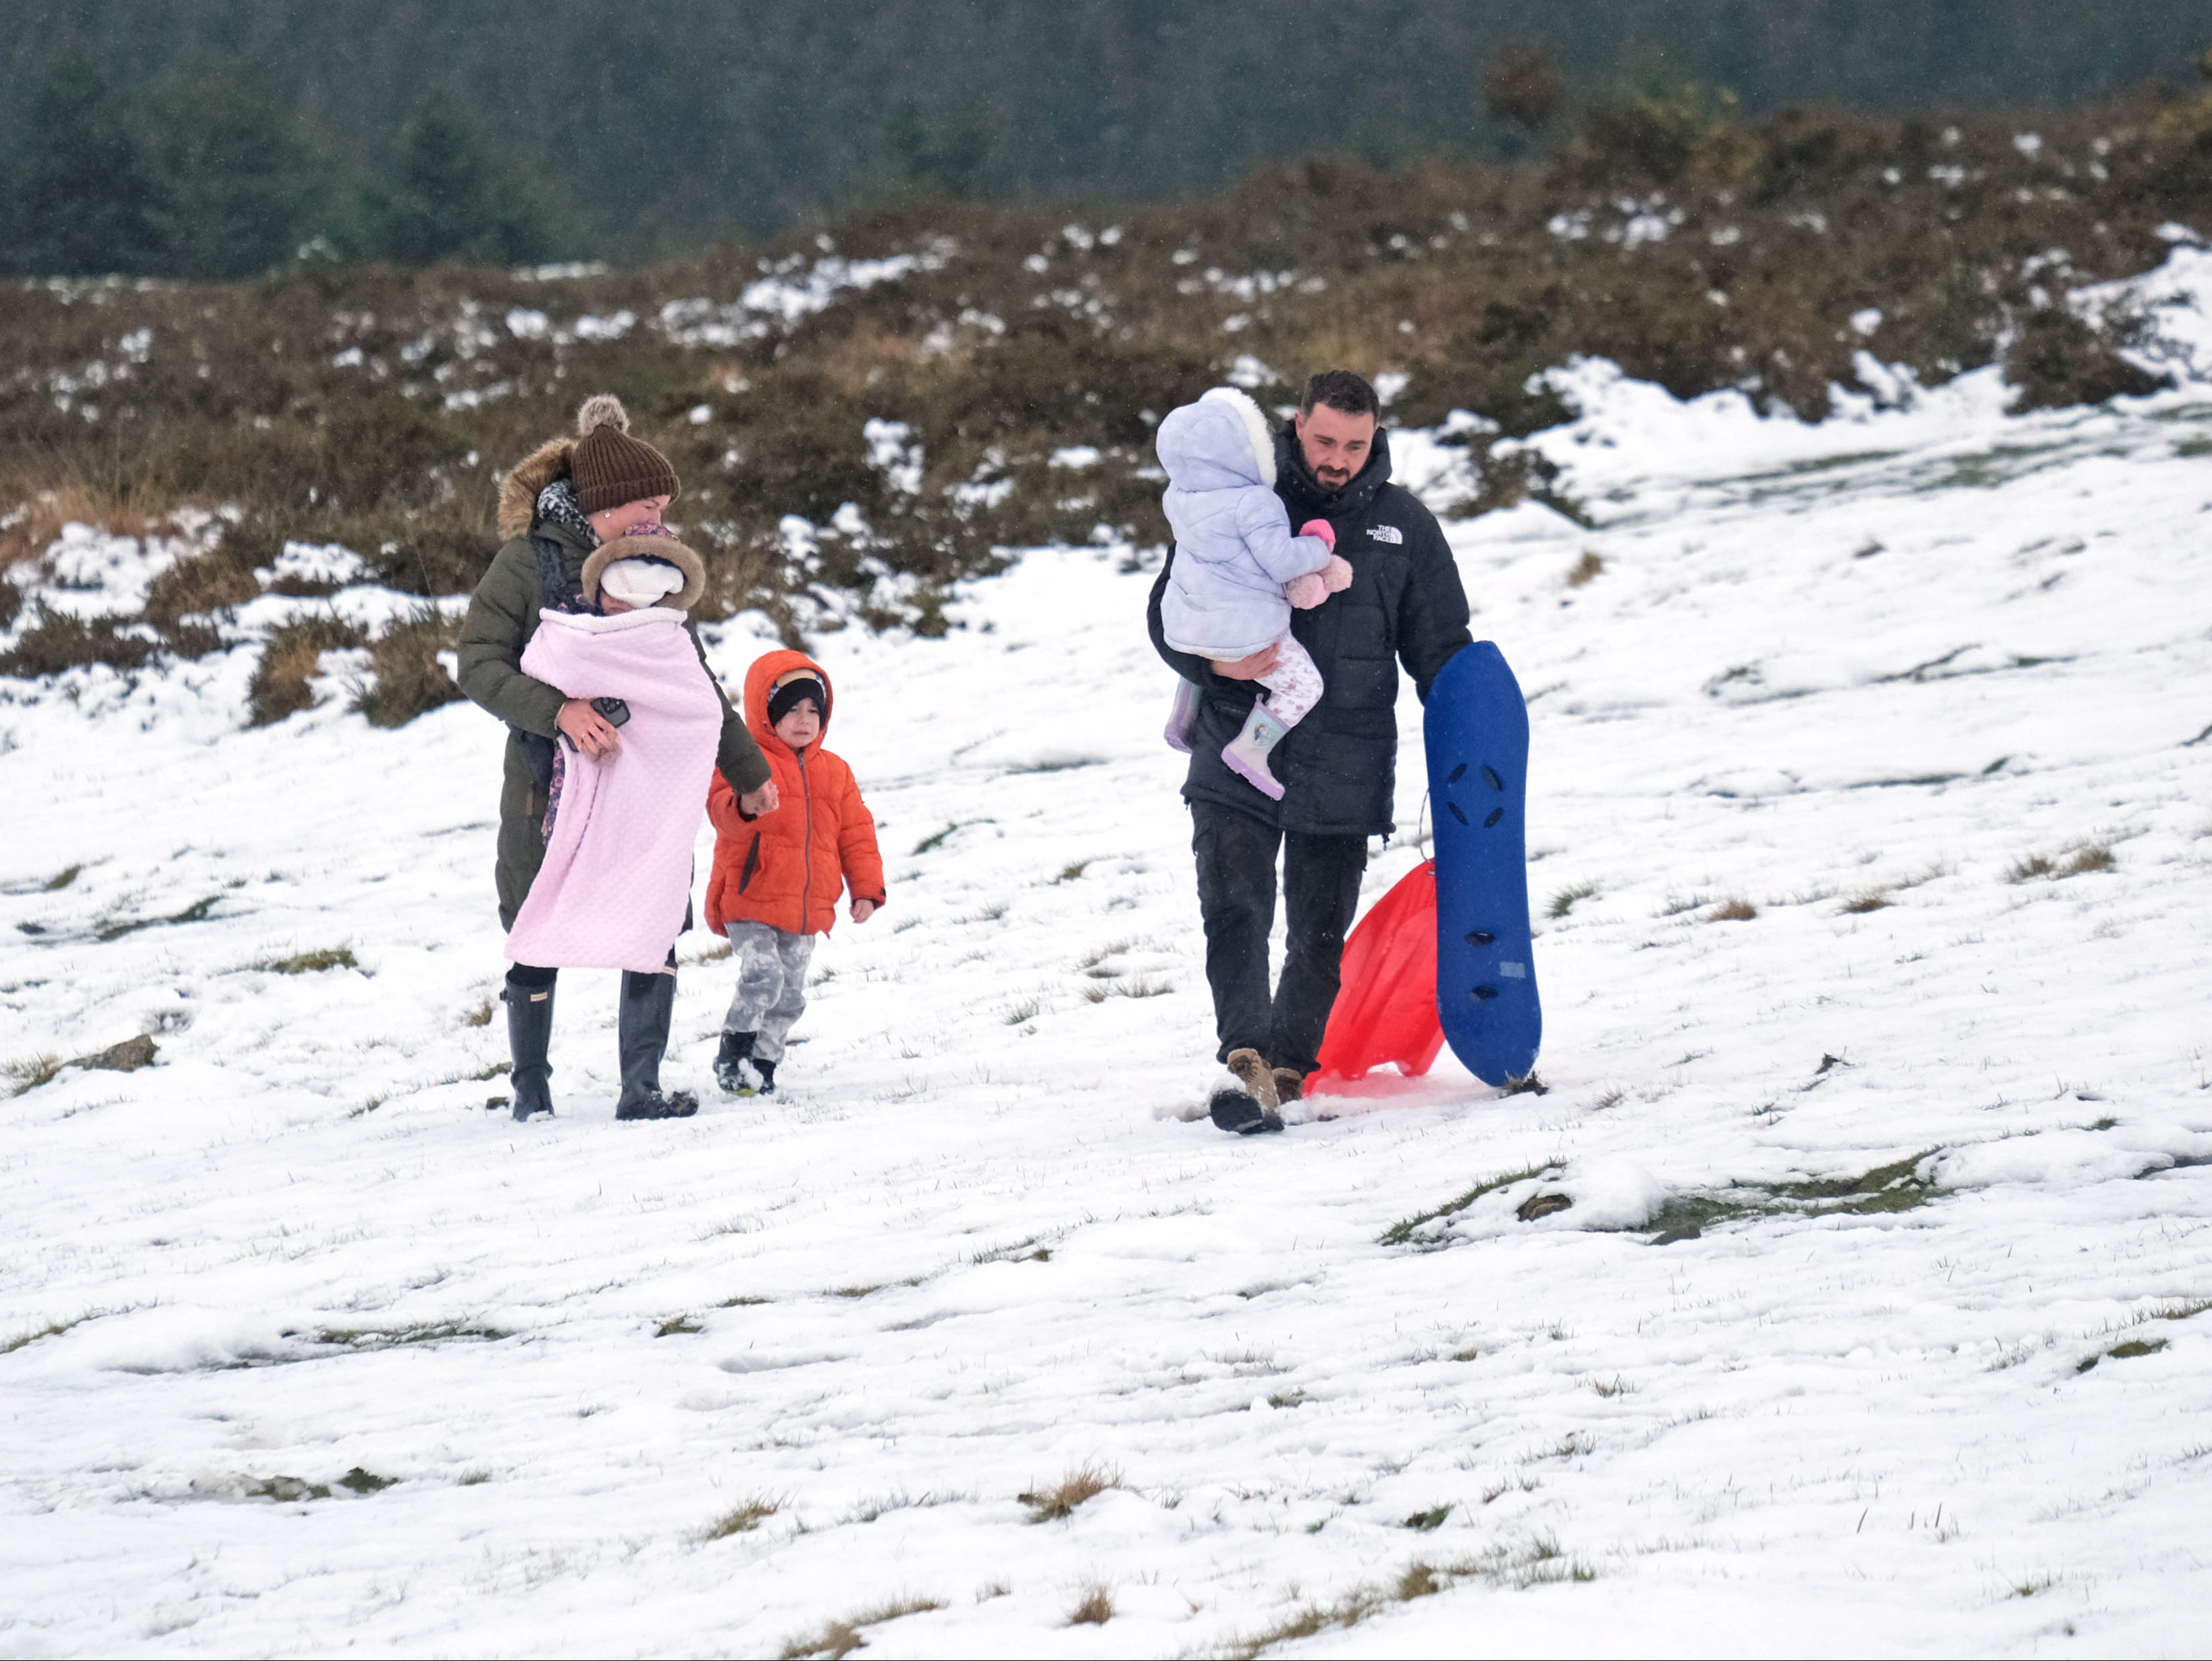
666	549
1220	443
518	491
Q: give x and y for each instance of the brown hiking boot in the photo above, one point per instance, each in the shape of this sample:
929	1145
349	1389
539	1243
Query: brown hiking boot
1289	1084
1253	1072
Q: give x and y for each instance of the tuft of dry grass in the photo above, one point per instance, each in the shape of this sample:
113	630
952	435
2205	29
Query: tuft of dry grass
58	641
1873	900
479	1016
840	1639
1079	1485
312	962
407	679
1096	1609
29	1072
2081	859
1732	911
279	687
1584	569
1567	899
743	1519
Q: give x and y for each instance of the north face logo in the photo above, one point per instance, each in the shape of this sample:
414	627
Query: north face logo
1386	533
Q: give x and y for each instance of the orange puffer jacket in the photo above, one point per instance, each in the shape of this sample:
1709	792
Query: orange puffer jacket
786	869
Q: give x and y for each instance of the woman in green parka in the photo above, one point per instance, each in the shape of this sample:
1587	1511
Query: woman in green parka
557	508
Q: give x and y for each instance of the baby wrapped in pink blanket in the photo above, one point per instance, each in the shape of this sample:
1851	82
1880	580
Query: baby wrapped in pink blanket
616	879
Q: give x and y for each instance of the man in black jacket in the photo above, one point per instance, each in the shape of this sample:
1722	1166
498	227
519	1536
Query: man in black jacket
1338	766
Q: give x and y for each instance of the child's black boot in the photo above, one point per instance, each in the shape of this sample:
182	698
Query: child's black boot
732	1061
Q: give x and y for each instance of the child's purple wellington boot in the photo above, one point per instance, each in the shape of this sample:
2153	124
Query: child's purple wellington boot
1247	753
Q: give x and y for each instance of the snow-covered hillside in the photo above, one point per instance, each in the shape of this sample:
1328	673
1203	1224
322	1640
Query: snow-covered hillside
1879	1321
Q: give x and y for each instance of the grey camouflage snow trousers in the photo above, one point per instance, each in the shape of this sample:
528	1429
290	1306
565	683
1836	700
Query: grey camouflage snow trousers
771	992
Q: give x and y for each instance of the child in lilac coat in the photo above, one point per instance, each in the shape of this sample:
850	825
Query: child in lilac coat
1238	571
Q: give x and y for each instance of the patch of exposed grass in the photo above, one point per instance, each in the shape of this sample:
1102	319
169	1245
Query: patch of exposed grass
291	660
1403	1230
2128	1351
61	879
1873	899
52	1329
59	641
742	1519
287	1490
1424	1522
1070	872
841	1638
1023	1014
1144	986
374	1338
407	678
856	1290
1894	1187
1078	1487
1567	899
1096	1609
1539	1562
116	927
28	1073
1585	568
359	1480
1732	911
676	1325
930	844
1057	764
1530	1086
2080	859
312	962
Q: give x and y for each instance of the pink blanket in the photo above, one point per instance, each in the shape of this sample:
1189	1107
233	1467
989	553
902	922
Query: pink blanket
618	871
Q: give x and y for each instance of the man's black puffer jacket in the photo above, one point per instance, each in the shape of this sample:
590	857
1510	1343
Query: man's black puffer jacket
1338	765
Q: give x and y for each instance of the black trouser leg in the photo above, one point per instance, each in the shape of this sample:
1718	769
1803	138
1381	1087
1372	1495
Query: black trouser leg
1237	903
1321	892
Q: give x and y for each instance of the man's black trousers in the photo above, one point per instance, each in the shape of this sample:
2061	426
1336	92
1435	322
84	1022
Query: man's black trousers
1237	899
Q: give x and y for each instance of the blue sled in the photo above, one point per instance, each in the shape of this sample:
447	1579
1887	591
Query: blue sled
1476	727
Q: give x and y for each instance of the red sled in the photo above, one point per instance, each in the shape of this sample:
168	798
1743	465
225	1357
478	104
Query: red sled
1386	1009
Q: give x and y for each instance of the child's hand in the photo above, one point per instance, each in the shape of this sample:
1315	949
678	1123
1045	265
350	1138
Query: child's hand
1322	528
754	803
1336	575
1306	592
863	910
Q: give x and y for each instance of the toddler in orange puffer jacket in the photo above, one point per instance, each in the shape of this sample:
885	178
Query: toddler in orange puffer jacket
777	875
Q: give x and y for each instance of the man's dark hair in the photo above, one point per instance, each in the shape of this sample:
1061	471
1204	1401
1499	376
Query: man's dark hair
1342	390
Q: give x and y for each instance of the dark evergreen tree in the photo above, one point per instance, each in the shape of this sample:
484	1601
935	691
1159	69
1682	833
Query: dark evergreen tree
82	199
237	176
450	198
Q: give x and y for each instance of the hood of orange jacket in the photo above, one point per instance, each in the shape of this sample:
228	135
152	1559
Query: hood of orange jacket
786	868
768	669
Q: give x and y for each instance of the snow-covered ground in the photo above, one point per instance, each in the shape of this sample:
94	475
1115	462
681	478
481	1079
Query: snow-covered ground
1852	675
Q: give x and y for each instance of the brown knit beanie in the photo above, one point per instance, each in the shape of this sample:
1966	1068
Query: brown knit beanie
608	465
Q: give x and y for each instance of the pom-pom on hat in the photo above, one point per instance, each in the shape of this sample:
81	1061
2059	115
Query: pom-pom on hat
610	467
